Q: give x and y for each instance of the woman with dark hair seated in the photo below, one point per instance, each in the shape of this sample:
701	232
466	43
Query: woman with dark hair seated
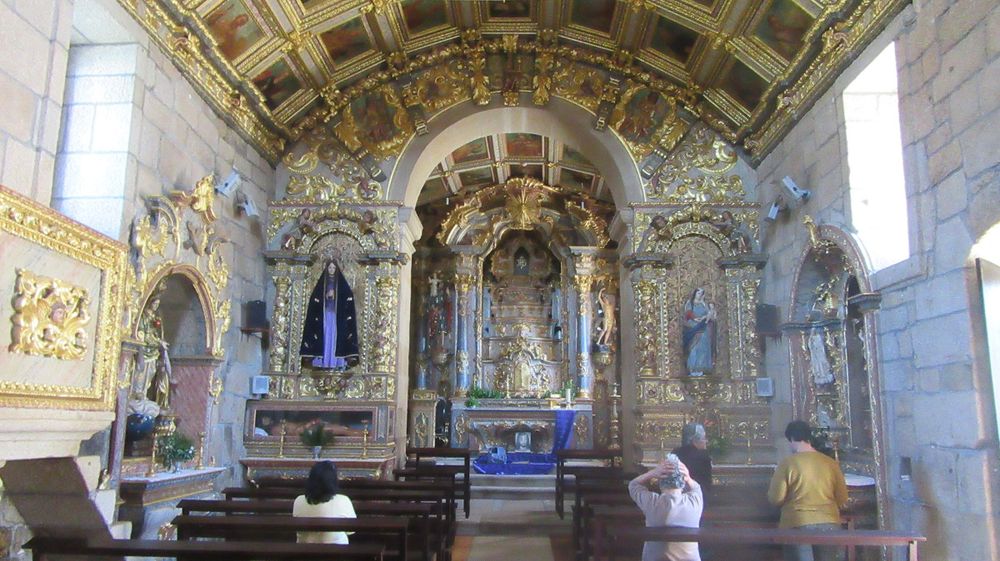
322	500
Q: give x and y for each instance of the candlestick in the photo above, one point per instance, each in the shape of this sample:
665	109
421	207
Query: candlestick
201	450
281	443
364	440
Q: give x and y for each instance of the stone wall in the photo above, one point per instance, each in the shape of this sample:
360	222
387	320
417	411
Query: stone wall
936	388
34	37
173	139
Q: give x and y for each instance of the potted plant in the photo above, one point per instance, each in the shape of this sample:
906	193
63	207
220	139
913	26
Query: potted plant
315	437
173	449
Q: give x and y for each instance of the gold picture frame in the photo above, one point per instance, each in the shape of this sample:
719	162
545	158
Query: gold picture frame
35	239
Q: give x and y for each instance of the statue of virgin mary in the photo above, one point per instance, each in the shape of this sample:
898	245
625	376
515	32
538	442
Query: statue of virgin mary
330	334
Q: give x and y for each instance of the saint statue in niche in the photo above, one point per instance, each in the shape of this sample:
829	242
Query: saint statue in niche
819	365
699	333
330	335
153	364
607	302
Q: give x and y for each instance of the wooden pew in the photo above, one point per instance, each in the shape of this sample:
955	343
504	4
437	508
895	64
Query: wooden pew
391	530
611	537
432	536
563	456
422	469
424	492
44	548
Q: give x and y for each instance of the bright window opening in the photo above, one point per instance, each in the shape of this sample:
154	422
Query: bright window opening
875	159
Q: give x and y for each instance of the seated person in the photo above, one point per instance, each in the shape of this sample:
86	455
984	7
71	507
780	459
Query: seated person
322	500
678	504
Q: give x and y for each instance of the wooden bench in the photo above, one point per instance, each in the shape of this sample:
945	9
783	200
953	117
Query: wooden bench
443	501
417	464
611	537
394	531
427	520
44	548
563	456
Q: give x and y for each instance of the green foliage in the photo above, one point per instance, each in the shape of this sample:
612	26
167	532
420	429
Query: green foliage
471	402
315	435
174	448
477	393
718	446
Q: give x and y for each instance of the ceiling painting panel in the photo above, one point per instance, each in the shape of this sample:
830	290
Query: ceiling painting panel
234	28
673	40
346	41
783	28
277	83
523	145
476	151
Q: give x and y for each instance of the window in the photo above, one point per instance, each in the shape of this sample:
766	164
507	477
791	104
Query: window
92	162
987	255
875	160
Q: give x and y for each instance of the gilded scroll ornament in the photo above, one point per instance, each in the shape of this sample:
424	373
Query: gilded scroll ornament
201	199
383	329
646	328
697	172
50	317
581	428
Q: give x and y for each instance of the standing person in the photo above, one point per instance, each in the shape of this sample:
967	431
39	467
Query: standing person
810	489
678	504
322	500
693	452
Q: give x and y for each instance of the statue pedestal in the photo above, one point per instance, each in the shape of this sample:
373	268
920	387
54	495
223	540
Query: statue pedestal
148	502
497	422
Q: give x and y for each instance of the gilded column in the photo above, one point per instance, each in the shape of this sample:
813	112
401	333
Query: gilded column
463	286
584	368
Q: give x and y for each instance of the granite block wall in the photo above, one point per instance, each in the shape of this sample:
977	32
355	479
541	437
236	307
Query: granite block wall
937	391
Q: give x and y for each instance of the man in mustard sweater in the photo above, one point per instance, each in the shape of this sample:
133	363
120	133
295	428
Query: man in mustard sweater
810	489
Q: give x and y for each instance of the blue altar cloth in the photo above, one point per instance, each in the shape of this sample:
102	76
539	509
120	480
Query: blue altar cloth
563	429
518	463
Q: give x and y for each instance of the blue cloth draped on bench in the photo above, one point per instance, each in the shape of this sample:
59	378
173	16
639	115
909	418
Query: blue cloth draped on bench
528	463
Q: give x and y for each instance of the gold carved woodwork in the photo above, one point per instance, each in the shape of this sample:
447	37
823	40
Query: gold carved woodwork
154	231
50	317
357	135
519	370
383	329
55	235
200	199
697	172
581	429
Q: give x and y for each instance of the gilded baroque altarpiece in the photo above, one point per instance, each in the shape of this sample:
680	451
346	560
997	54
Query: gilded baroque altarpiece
67	283
697	238
335	214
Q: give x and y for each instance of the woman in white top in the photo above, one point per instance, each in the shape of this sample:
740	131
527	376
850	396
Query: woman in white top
322	500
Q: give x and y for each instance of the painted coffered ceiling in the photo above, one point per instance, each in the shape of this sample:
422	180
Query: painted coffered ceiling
278	68
495	159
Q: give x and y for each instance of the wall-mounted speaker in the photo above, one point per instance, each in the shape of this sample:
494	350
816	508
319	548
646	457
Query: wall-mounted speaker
764	387
260	385
768	322
255	316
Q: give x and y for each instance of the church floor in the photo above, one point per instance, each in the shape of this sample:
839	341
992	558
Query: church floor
506	530
507	548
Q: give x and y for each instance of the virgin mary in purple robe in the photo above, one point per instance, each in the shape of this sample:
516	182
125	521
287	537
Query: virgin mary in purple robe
330	335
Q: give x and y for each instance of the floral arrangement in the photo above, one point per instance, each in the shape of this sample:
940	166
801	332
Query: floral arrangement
476	393
173	449
315	435
718	444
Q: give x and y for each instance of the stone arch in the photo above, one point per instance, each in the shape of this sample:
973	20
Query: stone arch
559	119
201	289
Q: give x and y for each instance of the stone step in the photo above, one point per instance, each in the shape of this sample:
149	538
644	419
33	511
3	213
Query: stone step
513	487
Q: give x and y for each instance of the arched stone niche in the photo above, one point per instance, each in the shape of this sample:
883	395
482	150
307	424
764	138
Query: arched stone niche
833	348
